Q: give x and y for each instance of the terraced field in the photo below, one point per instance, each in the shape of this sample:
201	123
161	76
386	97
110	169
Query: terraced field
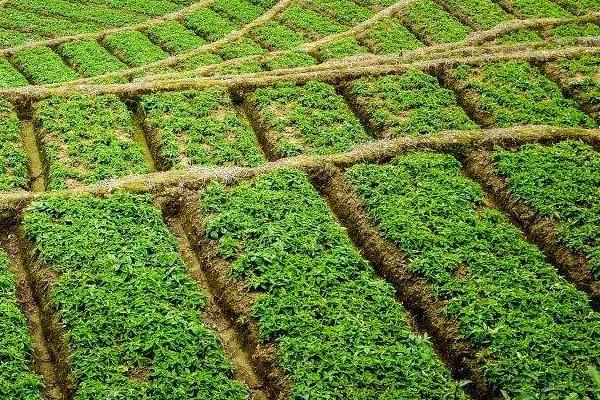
300	199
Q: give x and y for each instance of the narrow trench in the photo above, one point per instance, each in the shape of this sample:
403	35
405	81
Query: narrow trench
44	362
139	136
36	166
216	318
240	101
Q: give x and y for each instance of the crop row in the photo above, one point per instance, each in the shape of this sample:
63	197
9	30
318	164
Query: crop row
130	315
309	119
339	331
413	103
86	139
560	183
198	128
13	158
580	78
17	381
514	93
533	334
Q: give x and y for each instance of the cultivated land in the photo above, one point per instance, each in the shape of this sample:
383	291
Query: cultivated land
300	199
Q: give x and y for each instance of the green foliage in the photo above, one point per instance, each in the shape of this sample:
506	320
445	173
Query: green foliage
580	7
435	24
100	15
86	139
134	48
201	60
277	37
309	22
390	36
28	22
534	332
88	58
345	47
410	104
293	59
41	65
311	119
340	333
583	72
485	13
148	7
209	24
239	11
13	158
174	37
200	128
131	312
538	8
9	38
569	31
241	47
245	67
516	93
9	76
17	381
345	12
561	182
520	36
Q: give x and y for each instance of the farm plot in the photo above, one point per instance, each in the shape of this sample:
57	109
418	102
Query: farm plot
514	93
432	24
405	105
339	331
89	58
17	381
310	119
86	139
129	314
558	184
508	302
13	158
41	65
579	77
10	76
198	128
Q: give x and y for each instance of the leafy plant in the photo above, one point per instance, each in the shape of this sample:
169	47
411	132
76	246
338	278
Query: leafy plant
311	118
561	182
86	139
131	312
413	103
17	381
199	128
340	333
516	93
533	331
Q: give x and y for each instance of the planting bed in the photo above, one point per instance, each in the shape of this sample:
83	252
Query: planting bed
299	199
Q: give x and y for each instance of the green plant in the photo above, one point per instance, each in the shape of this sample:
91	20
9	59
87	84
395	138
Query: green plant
13	158
132	314
41	65
308	118
17	381
413	103
86	139
340	333
516	93
199	128
560	182
534	332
